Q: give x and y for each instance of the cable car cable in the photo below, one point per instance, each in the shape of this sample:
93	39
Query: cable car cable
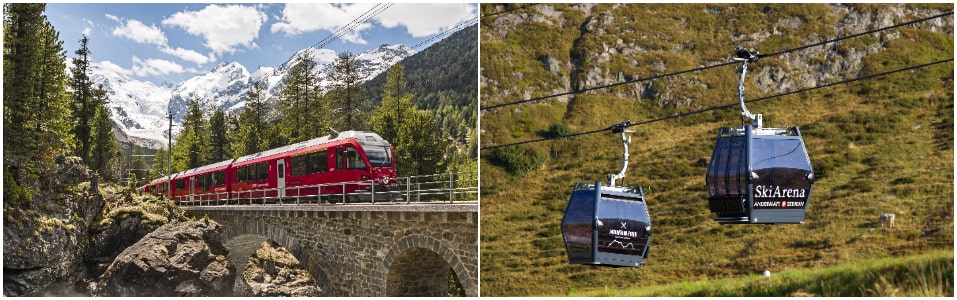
675	116
855	35
717	65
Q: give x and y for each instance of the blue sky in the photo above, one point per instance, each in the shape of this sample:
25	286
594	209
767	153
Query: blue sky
173	42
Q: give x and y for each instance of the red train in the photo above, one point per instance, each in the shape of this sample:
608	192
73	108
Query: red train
303	169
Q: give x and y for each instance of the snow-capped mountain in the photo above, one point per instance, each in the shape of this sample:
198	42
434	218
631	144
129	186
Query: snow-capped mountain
139	108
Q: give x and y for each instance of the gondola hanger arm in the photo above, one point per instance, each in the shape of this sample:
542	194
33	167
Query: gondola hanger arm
625	139
746	56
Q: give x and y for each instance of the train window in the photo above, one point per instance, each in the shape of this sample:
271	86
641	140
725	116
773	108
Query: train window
319	162
379	156
262	171
219	177
352	159
298	166
180	184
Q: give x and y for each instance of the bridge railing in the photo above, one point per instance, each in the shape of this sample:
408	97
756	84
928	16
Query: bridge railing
444	187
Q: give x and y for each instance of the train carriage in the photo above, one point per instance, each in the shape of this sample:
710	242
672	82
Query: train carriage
353	161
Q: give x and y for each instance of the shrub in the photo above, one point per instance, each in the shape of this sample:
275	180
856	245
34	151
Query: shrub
517	159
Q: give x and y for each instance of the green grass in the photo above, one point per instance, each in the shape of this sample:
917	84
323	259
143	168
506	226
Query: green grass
925	275
877	146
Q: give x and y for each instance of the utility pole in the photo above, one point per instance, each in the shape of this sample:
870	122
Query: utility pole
169	161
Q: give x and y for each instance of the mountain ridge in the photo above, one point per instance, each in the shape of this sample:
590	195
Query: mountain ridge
139	108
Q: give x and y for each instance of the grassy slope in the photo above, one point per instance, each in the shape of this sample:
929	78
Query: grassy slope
877	146
924	275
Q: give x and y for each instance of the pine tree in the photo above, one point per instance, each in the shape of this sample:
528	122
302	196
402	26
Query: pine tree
250	132
300	103
219	149
422	149
36	105
104	151
418	150
189	149
347	97
82	105
396	105
159	167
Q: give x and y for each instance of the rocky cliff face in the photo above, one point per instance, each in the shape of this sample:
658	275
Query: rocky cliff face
587	46
178	259
274	272
65	234
44	239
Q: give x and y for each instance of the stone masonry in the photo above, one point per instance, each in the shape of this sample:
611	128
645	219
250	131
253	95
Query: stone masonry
367	250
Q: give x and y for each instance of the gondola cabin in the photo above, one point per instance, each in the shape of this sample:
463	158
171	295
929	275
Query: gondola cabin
759	175
607	226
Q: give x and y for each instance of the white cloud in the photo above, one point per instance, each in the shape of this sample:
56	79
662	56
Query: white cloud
112	17
188	55
438	17
139	32
154	66
111	67
89	26
223	27
301	18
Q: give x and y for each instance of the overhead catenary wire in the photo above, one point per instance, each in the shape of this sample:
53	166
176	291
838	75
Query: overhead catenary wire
735	104
717	65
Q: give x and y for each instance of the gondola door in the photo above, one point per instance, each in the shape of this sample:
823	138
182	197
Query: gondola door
281	177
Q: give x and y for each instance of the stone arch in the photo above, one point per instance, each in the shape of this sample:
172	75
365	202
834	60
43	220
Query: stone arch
417	265
310	260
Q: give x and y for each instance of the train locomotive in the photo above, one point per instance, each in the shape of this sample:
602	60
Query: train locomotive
353	161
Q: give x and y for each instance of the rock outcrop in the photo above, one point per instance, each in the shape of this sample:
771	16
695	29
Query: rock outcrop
177	259
272	271
44	235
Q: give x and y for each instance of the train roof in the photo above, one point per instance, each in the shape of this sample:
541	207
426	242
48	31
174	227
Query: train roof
204	169
362	137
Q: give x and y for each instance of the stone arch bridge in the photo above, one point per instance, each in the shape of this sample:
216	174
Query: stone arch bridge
367	250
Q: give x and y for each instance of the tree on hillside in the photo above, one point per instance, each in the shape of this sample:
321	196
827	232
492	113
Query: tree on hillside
347	97
159	167
35	102
104	151
411	131
396	103
189	149
219	149
249	136
300	103
82	105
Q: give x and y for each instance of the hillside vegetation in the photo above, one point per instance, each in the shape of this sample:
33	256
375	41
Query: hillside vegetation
882	145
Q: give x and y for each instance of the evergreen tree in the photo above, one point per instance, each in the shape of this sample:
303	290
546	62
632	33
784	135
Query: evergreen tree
104	151
300	103
189	149
396	105
422	149
347	97
418	150
249	134
219	149
138	172
159	168
82	105
35	102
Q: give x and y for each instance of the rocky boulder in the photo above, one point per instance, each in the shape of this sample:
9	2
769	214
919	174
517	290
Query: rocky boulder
126	218
273	272
177	259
